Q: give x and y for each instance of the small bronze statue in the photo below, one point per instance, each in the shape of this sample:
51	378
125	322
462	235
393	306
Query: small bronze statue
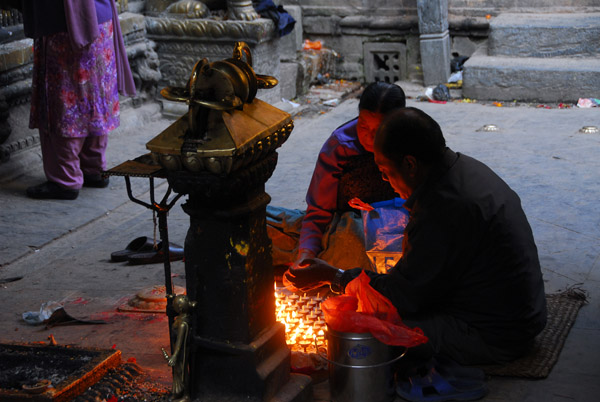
179	360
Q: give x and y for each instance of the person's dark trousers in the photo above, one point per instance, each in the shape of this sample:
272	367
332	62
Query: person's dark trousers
414	361
453	338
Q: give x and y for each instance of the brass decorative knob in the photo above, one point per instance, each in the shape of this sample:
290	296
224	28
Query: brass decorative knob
220	85
224	84
226	128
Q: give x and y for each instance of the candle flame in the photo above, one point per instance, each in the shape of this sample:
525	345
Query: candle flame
301	317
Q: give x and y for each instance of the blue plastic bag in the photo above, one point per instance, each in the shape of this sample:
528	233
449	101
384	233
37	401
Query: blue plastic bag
383	224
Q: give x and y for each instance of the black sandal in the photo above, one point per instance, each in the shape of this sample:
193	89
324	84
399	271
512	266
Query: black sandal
51	190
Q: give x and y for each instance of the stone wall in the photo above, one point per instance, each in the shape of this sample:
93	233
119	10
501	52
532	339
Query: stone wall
379	39
494	7
376	40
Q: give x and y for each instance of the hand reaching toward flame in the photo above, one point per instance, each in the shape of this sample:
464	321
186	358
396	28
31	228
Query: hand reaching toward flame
303	254
310	274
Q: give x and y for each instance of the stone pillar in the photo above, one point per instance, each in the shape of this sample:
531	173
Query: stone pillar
435	40
238	350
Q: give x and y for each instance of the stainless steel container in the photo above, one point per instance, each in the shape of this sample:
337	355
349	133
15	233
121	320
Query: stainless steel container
360	368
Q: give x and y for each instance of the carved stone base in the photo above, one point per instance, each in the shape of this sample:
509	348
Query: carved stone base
182	42
257	371
15	83
143	60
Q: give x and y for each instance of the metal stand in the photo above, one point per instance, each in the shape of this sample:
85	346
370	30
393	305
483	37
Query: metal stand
137	169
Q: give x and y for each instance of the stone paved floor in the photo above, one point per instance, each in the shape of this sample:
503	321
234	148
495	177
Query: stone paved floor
61	249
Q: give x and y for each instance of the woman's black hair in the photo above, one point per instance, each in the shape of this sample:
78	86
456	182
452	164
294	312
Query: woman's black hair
382	97
410	131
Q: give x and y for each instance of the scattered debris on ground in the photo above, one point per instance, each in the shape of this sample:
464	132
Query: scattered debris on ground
321	98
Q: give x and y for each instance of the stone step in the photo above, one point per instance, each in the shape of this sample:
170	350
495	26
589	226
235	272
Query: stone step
557	79
545	35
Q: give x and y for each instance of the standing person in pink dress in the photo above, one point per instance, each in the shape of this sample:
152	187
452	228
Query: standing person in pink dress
80	66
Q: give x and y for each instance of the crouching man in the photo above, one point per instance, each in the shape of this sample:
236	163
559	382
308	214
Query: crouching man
469	276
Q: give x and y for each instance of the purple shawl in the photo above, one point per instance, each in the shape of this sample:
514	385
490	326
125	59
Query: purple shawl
82	25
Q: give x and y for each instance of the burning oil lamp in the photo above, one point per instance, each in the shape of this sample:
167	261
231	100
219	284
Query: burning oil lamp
304	344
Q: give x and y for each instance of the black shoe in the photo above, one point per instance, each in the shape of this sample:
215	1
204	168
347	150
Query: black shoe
95	180
4	35
156	255
50	190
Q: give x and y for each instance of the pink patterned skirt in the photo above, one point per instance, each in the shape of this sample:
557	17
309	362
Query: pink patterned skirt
74	92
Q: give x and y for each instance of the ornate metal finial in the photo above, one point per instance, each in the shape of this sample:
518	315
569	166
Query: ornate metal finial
220	85
225	127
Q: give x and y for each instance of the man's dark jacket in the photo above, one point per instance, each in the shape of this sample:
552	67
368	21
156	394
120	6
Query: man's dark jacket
468	252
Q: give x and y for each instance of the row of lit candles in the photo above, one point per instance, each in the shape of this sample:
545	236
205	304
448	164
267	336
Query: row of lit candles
303	320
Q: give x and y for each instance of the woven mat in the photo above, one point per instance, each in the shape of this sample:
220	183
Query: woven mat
562	311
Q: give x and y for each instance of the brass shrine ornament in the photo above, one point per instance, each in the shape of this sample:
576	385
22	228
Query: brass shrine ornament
226	126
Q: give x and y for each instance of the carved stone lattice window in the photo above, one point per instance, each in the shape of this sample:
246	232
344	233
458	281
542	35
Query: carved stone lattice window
384	61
